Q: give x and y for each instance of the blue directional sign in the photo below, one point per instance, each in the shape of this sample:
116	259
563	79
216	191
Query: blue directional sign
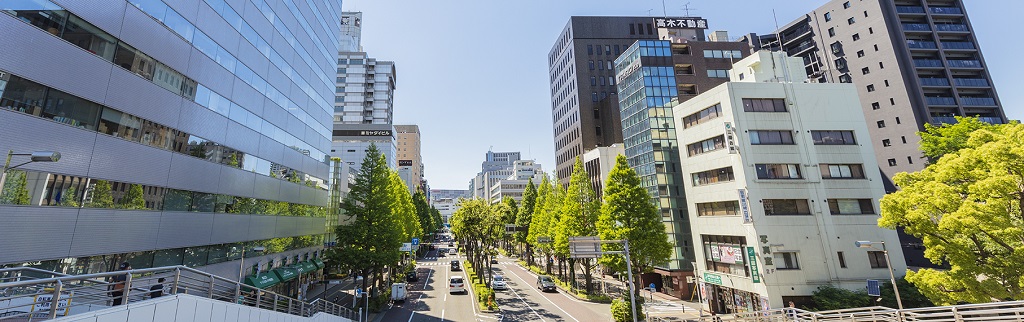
415	241
873	288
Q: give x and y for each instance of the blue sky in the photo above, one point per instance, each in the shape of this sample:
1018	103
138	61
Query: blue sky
473	73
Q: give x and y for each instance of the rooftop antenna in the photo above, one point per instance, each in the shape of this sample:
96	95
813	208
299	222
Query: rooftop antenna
649	11
663	10
686	9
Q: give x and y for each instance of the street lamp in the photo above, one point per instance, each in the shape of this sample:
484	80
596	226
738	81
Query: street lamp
38	156
241	262
888	264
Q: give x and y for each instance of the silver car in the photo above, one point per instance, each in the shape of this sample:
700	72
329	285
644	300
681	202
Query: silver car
499	283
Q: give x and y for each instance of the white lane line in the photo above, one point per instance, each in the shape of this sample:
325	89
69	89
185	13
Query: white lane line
562	293
524	302
442	315
431	270
412	310
545	297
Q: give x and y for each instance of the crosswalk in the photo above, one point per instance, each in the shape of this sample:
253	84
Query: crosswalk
443	261
665	307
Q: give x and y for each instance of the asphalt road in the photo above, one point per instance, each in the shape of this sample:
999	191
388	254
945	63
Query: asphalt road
429	299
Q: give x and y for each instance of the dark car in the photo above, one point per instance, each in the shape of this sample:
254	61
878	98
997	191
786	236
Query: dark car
544	283
411	277
494	261
456	266
451	245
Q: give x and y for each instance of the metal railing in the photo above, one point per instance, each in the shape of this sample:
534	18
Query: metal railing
990	312
27	299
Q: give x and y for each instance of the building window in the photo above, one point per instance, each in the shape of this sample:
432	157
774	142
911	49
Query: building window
897	120
590	64
832	32
846	5
777	171
856	37
841	171
892	162
702	116
871	30
706	146
865	13
842	260
833	138
768	137
877	259
718	73
593	96
600	65
892	101
632	30
713	176
764	105
850	207
851	20
904	138
593	81
598	130
871	88
611	81
865	71
886	83
886	143
607	49
836	47
828	16
860	53
875	106
785	206
881	124
720	208
840	63
845	78
910	160
590	49
876	47
786	260
610	67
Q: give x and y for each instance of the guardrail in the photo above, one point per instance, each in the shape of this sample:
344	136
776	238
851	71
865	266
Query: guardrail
989	312
28	299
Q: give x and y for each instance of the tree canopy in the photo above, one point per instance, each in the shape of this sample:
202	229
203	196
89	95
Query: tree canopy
966	207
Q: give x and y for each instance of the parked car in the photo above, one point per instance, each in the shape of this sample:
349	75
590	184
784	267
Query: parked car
498	283
494	260
411	277
456	285
545	283
451	245
456	266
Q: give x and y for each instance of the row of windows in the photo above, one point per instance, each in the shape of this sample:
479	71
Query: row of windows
801	207
713	176
71	191
22	95
770	137
705	146
764	105
607	50
781	171
708	53
702	116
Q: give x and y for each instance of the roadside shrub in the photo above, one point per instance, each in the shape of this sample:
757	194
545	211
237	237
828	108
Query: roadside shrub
621	311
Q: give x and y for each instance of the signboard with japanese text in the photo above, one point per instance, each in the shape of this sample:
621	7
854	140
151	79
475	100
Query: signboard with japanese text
755	275
681	23
730	254
712	278
744	206
405	163
715	254
362	133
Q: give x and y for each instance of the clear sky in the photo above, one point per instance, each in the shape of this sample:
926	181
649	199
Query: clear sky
473	73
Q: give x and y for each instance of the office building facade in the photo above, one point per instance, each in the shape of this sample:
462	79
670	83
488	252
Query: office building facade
365	90
179	122
654	75
780	188
350	142
584	107
409	153
496	166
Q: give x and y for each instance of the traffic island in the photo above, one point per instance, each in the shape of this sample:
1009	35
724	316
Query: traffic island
484	295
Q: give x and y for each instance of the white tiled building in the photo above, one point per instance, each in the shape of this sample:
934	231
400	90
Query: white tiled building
781	181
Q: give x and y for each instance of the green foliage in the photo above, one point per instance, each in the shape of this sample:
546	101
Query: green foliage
133	198
15	189
539	219
829	297
525	214
101	196
622	311
629	214
423	213
233	161
937	141
403	210
69	198
553	210
911	296
967	210
580	209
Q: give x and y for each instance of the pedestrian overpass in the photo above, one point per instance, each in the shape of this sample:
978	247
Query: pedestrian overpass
986	312
28	294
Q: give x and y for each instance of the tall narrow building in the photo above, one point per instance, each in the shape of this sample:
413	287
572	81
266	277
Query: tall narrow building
913	62
584	106
179	121
409	153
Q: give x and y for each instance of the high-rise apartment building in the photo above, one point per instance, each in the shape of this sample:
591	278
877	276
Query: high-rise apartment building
913	62
179	121
584	107
365	90
409	153
780	187
654	75
496	166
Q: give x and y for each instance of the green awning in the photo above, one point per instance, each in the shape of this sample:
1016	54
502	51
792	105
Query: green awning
307	266
319	263
262	280
286	273
298	267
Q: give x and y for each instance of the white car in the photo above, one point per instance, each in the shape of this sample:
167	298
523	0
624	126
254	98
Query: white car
452	251
456	285
499	283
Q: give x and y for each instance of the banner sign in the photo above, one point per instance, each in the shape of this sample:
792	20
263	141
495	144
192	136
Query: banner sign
712	278
681	23
744	206
715	254
752	259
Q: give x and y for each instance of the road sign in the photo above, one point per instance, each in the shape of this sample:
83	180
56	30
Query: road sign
415	241
584	247
874	289
406	247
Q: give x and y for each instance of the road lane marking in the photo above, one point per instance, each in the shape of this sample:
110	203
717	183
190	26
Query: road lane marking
430	270
545	297
412	310
442	315
563	293
524	302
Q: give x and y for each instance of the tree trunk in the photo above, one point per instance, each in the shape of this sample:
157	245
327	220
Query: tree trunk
588	276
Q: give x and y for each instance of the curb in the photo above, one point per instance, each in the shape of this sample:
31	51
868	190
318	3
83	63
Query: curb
562	289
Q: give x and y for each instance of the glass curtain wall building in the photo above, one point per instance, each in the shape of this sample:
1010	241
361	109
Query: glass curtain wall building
188	132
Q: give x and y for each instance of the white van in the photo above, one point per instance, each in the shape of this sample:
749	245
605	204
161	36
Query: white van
456	285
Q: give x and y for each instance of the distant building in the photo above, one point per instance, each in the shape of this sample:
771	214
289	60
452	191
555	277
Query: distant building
364	89
409	154
496	166
514	185
780	185
599	162
350	142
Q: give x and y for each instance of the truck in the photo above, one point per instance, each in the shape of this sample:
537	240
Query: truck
398	292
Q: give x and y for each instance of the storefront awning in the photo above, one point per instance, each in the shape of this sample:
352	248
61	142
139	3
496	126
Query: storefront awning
319	263
307	266
262	280
286	273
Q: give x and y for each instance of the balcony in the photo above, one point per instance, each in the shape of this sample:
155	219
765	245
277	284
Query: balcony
970	82
964	63
921	44
909	9
950	27
934	82
943	119
957	45
946	10
991	119
978	101
927	63
916	27
940	101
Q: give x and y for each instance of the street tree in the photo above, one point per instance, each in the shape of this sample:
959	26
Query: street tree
507	216
539	220
939	140
16	189
133	198
403	210
966	207
580	209
101	196
372	238
553	209
628	213
523	219
69	198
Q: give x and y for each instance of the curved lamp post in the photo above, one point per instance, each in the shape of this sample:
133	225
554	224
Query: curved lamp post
38	156
888	264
